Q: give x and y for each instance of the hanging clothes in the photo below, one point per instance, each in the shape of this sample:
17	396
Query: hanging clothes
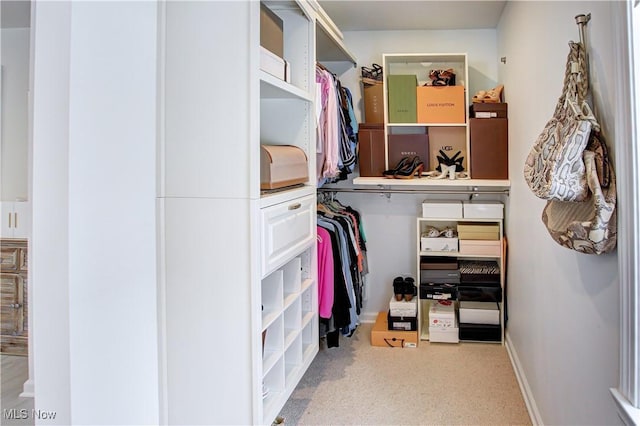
336	129
340	227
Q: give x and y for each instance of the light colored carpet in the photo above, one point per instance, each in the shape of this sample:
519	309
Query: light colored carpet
434	384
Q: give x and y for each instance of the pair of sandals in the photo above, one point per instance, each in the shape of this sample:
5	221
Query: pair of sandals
371	75
492	96
433	232
441	78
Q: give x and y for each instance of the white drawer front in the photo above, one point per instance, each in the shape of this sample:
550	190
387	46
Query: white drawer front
286	228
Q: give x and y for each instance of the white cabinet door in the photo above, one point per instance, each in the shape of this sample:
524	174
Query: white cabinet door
16	219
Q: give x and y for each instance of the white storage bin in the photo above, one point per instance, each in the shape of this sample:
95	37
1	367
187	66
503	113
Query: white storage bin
483	210
442	209
438	244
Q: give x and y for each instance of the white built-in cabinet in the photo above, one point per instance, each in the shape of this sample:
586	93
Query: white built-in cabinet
16	218
240	317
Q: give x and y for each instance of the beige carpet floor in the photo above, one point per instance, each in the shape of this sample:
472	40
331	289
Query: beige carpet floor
434	384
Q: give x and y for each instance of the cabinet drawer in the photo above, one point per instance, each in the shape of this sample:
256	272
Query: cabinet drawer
286	229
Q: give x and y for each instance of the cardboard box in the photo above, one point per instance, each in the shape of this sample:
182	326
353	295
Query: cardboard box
408	145
402	98
489	148
478	231
373	103
482	210
438	244
371	153
472	312
403	323
442	209
382	336
448	335
271	31
442	314
440	104
449	140
402	308
282	165
489	110
480	247
273	64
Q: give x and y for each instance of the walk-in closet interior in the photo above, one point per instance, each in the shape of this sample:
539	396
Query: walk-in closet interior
219	194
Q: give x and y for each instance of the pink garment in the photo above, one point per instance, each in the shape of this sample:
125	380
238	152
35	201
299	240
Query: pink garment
328	124
325	274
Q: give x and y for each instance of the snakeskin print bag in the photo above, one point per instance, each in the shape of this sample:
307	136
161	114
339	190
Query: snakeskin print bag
589	226
555	169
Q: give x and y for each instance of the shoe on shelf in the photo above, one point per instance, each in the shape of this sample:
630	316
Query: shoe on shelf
409	289
408	171
404	162
494	95
398	288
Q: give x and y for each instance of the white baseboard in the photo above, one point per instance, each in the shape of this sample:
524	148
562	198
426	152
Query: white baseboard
27	389
529	400
366	317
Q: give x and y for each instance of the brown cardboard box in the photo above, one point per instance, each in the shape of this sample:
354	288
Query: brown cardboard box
440	104
282	165
408	145
373	103
450	140
271	33
371	149
489	148
382	336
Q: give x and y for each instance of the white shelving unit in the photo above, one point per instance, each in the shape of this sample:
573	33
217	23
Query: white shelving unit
236	263
421	225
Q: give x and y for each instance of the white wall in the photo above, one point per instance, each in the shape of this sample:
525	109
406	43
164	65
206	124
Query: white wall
563	306
94	188
15	83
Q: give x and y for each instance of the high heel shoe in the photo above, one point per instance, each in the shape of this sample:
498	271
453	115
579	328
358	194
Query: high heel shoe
404	162
407	172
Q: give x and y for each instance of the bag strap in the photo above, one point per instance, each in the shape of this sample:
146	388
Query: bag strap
575	86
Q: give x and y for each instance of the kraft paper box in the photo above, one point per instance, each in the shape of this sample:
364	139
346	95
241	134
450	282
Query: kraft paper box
440	104
382	336
271	31
373	103
449	140
282	165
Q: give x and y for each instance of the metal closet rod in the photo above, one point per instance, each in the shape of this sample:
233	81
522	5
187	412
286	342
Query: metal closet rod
581	21
383	190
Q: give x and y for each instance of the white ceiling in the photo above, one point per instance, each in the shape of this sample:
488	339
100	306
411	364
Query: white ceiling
381	15
15	14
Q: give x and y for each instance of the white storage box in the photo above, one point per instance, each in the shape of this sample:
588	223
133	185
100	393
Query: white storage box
446	335
442	209
438	244
403	308
479	313
482	210
282	165
480	247
272	63
442	314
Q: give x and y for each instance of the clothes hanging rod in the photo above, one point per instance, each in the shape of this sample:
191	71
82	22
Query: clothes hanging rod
416	191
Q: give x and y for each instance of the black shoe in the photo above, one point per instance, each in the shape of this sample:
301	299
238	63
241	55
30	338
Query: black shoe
409	289
398	288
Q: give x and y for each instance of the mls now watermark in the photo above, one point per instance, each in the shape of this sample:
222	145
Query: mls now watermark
21	414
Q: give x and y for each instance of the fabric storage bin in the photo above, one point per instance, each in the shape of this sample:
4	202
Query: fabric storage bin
478	231
442	209
480	247
482	210
438	244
